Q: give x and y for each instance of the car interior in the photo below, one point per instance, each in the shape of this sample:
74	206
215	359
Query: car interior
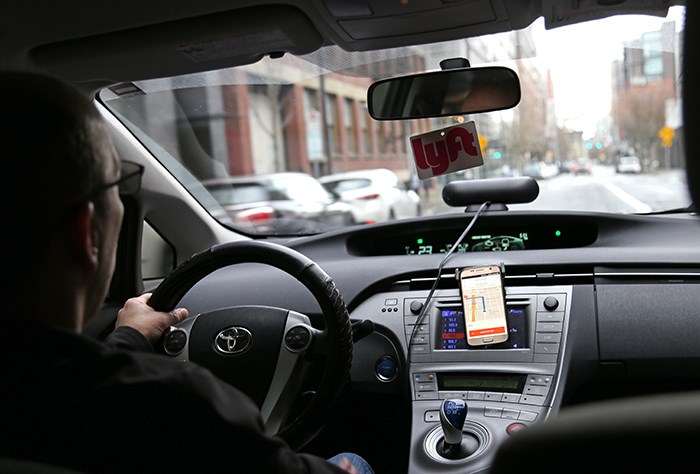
361	337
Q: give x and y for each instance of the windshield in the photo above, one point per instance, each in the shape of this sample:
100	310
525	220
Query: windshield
599	127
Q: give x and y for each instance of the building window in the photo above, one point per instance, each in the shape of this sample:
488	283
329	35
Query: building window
401	145
350	126
314	130
333	128
652	47
390	138
310	103
653	67
381	137
366	129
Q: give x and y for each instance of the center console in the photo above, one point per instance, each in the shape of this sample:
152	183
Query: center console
506	386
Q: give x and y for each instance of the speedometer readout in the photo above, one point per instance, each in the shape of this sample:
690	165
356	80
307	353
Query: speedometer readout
477	243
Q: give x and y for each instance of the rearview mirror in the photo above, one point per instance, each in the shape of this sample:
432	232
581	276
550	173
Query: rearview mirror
443	93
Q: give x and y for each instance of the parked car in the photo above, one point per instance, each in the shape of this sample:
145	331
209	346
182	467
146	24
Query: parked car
375	195
566	167
628	164
582	167
533	170
540	170
279	203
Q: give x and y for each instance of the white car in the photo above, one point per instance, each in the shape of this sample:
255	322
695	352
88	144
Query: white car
375	195
628	164
540	170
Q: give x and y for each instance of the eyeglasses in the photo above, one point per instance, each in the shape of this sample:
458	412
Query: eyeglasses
129	182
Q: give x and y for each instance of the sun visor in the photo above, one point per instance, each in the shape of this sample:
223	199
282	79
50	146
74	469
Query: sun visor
565	12
182	47
369	24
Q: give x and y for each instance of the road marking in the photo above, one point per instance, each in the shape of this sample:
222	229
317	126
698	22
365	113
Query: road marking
628	199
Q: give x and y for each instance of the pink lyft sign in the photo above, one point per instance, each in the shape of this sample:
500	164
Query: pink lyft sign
446	151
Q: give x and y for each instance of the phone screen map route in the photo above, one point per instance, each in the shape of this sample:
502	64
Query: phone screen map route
483	305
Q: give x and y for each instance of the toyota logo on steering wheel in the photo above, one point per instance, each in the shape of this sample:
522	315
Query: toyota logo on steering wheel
233	340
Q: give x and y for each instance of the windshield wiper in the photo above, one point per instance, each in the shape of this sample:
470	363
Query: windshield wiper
679	210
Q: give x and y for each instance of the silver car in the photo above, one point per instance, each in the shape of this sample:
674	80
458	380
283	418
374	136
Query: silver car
279	203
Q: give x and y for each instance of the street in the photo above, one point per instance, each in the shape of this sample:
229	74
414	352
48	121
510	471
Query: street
603	190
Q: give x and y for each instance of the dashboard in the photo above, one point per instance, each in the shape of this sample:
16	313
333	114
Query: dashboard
598	306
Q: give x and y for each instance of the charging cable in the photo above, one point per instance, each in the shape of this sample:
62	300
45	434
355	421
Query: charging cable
424	310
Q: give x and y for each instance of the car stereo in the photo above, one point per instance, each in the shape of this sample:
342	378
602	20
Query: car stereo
451	334
535	323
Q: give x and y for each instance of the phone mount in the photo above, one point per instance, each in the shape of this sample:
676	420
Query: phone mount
499	191
501	265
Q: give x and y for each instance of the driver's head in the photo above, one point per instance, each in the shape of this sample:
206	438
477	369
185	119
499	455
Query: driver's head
61	222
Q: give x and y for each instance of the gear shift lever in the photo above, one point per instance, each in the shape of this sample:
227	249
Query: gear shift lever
453	412
455	444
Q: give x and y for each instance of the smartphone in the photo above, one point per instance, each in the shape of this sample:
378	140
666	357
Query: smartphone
484	305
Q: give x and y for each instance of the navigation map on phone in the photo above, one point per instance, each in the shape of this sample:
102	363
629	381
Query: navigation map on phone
484	307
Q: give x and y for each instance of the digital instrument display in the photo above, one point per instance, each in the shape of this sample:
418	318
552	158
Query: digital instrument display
481	382
452	332
476	243
492	235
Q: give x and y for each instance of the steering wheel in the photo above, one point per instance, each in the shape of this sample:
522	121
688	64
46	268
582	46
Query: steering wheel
261	350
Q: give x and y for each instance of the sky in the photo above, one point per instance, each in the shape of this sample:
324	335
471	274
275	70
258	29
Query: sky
580	58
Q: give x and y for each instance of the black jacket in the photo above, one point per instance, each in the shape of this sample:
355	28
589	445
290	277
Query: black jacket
69	400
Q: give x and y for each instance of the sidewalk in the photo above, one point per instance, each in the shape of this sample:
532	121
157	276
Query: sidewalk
433	203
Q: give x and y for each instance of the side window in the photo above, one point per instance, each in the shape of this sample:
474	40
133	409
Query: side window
157	255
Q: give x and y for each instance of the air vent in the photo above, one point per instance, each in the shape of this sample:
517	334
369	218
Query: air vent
646	275
549	275
514	276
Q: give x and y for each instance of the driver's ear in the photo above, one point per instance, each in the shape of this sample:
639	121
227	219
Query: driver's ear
83	237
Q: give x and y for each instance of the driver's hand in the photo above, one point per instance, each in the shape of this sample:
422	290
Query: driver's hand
151	323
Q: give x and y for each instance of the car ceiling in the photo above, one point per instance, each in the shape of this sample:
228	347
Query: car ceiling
96	43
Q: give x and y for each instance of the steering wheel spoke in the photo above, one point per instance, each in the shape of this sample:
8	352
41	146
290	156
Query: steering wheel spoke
299	337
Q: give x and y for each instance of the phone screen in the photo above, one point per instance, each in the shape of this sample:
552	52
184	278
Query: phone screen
484	305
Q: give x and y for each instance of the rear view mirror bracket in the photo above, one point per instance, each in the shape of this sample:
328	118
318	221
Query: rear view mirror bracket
454	63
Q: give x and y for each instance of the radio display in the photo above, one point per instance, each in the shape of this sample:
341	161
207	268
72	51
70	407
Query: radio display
452	332
481	382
